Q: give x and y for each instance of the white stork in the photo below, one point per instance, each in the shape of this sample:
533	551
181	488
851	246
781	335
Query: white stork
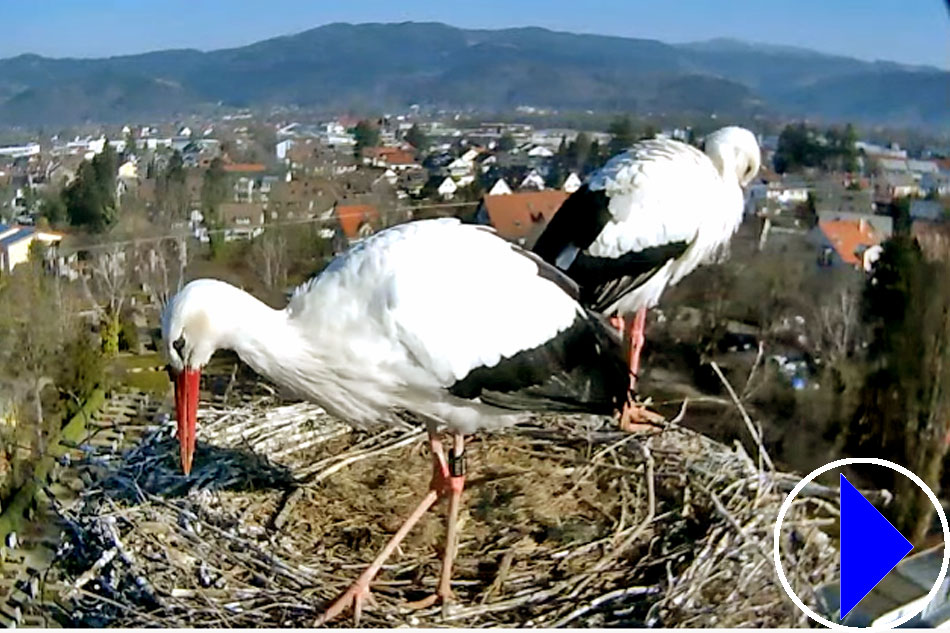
644	221
446	321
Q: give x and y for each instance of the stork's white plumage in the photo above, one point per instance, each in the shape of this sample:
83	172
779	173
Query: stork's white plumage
443	320
648	218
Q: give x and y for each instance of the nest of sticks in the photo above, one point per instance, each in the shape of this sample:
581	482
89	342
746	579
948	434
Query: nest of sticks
566	522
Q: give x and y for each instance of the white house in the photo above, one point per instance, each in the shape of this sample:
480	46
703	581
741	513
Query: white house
15	243
448	188
500	188
533	181
540	151
185	132
129	169
282	147
19	151
572	183
460	167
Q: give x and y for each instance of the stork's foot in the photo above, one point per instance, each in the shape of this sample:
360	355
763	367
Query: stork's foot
636	418
354	597
447	600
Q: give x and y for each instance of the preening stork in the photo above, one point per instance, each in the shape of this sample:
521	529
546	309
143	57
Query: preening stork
443	320
644	221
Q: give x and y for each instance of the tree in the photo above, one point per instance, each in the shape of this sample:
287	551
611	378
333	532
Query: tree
367	135
417	138
87	203
596	159
171	193
904	412
214	191
268	253
130	147
622	135
106	286
506	143
579	152
53	208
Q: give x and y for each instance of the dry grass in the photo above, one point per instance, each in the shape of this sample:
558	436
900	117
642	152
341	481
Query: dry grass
566	522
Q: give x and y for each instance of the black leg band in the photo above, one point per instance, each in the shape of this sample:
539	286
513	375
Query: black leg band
456	464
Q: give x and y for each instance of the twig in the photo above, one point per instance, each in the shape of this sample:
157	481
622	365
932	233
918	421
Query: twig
745	416
607	597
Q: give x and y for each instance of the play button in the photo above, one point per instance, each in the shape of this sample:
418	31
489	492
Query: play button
870	547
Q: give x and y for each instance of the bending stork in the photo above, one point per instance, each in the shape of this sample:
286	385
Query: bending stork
377	333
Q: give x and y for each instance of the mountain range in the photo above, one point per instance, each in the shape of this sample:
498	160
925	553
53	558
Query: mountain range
394	65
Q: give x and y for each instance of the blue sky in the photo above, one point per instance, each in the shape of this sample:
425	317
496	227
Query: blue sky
910	31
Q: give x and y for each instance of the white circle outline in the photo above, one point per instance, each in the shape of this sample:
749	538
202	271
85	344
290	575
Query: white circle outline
847	462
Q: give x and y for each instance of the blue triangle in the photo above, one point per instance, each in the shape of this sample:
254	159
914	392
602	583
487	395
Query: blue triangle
870	547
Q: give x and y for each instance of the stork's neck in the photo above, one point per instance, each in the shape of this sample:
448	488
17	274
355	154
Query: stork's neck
263	337
723	158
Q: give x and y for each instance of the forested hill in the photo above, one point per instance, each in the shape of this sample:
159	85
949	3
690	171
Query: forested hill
394	65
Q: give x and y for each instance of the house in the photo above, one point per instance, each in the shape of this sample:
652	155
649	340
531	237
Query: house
883	225
283	147
539	151
16	241
937	183
244	168
852	243
927	210
572	183
19	151
893	184
533	181
460	168
921	167
500	188
412	181
448	188
129	169
242	220
357	221
389	157
520	217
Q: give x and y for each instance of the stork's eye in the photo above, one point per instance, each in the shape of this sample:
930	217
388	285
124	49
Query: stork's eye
179	346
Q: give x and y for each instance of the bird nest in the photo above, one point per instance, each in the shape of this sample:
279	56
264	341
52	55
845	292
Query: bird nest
566	522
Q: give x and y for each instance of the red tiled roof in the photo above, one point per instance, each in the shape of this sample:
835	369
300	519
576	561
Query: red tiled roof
353	216
390	155
519	215
245	167
846	236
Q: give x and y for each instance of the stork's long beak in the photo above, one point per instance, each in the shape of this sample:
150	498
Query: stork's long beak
186	408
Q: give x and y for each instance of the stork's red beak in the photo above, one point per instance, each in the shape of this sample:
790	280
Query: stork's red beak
186	408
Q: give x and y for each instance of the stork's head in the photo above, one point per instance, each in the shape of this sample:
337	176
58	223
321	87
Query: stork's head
734	150
193	327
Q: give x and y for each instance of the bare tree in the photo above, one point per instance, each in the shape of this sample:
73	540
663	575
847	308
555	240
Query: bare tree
269	254
160	269
106	283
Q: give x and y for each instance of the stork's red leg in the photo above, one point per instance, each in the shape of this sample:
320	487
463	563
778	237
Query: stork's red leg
456	483
360	590
636	417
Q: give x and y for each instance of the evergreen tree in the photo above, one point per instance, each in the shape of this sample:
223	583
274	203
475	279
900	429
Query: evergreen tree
506	143
214	191
904	413
622	134
367	135
417	138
